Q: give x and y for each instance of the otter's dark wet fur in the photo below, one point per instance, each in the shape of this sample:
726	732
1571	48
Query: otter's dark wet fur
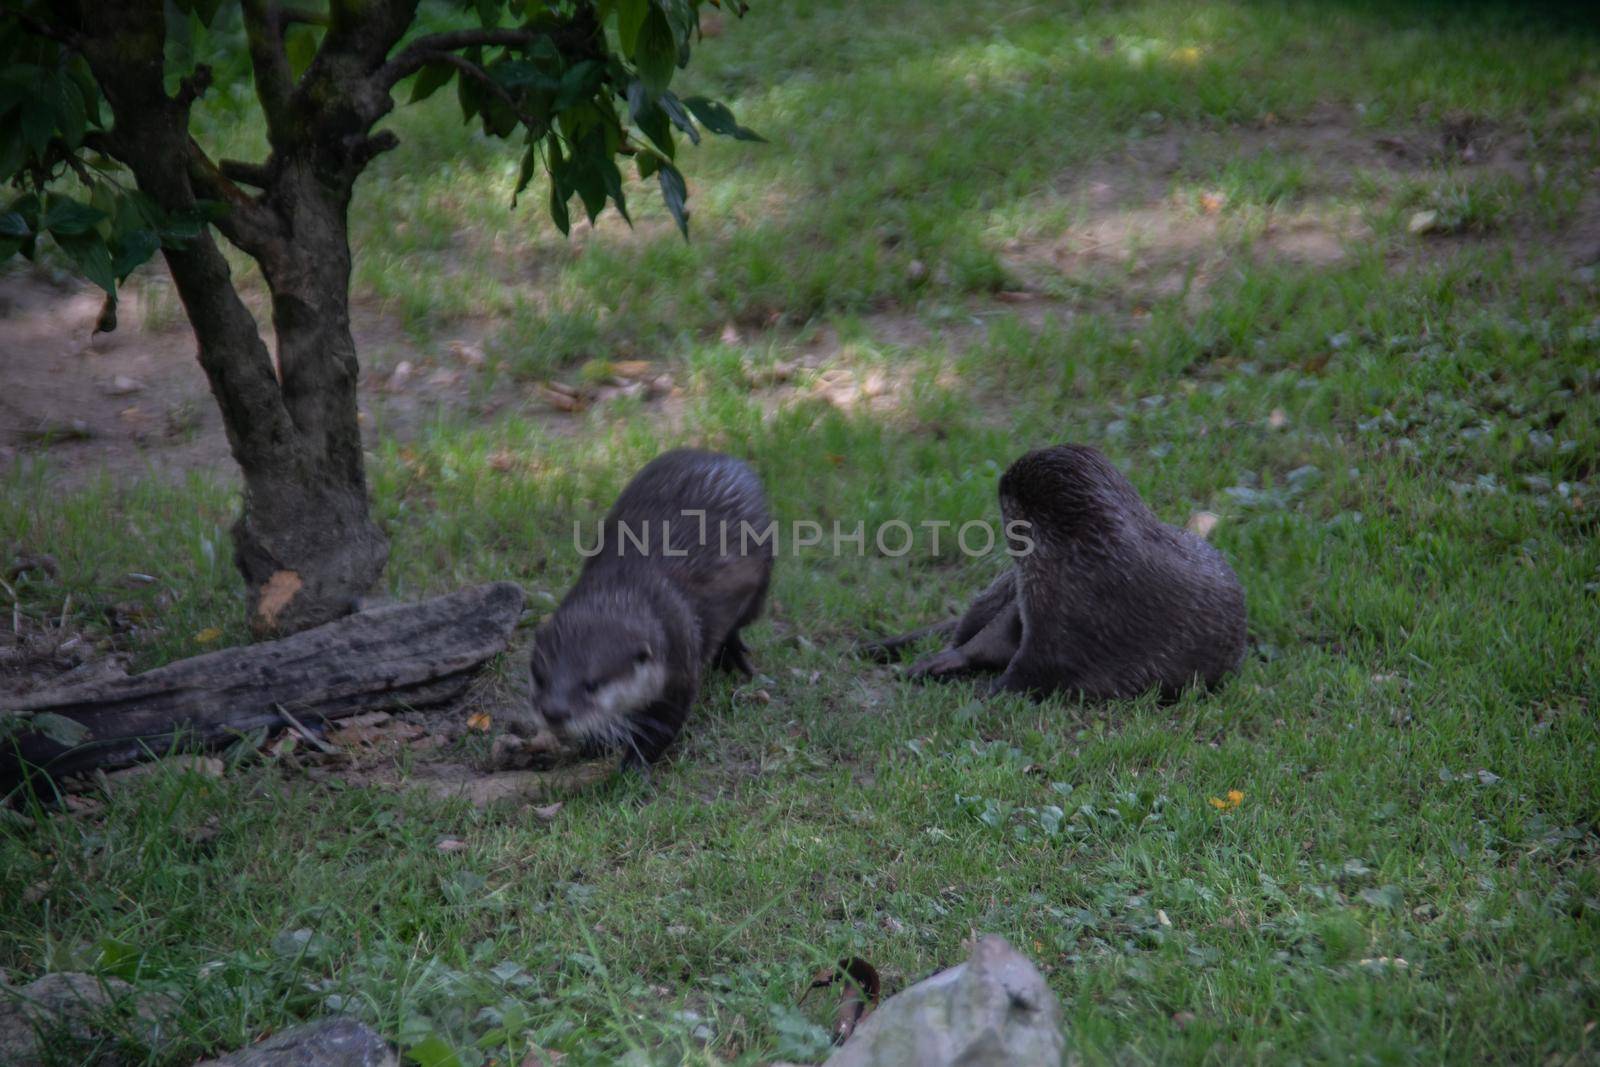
619	663
1110	602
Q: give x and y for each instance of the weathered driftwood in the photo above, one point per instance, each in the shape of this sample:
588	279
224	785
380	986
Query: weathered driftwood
400	655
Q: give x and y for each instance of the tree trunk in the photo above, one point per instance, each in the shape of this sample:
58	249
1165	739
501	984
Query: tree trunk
305	541
307	532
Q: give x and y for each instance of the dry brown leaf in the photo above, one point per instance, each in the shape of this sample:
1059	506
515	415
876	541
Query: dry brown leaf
1315	364
450	844
276	594
1278	418
373	731
547	812
208	635
1213	202
1201	523
561	399
468	354
479	720
730	334
631	368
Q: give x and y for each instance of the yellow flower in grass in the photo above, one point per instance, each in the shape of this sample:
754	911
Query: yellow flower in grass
1235	798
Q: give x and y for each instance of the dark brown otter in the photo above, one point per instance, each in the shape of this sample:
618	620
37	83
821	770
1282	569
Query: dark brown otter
1104	599
679	570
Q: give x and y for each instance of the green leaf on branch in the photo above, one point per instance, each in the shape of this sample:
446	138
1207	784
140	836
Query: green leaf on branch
558	208
65	216
716	117
630	19
612	179
525	174
680	118
71	116
12	151
676	194
657	52
468	91
132	249
38	123
650	118
577	84
429	80
89	252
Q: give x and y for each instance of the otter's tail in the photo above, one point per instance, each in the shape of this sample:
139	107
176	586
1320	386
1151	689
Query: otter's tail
888	649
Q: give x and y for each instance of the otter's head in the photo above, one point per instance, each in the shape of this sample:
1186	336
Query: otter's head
592	670
1069	493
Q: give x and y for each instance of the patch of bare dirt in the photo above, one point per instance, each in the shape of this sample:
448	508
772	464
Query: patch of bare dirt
134	401
1141	222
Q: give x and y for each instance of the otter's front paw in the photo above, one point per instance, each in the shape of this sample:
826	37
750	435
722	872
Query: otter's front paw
950	661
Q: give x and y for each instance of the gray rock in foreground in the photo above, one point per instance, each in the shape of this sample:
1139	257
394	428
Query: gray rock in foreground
73	1008
992	1011
326	1043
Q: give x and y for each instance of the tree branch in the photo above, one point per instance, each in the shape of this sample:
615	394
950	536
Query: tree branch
425	50
289	15
40	28
370	147
248	224
193	87
478	74
274	81
256	175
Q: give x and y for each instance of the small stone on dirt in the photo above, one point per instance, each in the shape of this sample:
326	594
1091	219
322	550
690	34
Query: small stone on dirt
1423	222
42	564
122	385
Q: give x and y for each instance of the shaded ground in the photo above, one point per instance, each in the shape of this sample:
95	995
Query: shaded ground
1138	227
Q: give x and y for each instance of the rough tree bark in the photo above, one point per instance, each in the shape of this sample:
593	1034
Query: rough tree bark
305	541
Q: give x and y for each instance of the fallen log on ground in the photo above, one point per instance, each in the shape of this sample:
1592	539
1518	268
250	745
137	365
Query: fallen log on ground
396	656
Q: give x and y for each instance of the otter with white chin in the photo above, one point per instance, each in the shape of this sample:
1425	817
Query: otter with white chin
676	577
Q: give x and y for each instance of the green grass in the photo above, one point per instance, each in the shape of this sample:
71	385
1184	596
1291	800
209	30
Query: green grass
1414	732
